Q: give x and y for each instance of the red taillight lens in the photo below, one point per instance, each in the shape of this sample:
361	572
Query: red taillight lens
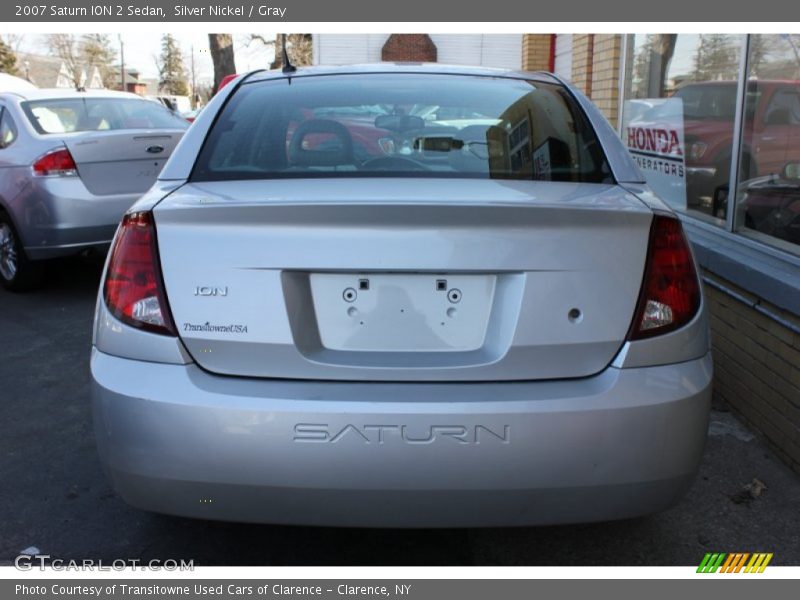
670	295
134	290
56	163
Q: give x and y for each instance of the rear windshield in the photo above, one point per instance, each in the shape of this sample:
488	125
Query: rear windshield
402	125
69	115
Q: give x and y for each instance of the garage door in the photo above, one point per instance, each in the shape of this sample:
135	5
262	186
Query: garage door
346	49
489	50
563	62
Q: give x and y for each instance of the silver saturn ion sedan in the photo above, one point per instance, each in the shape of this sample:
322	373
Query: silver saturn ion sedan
401	296
71	164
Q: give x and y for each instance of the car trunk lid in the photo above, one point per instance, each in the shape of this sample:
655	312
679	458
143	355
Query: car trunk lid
403	279
121	162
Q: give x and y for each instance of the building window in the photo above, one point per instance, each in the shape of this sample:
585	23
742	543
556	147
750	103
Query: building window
767	198
678	116
688	118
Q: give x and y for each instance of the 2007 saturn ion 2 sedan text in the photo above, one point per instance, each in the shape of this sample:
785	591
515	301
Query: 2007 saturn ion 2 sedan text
401	296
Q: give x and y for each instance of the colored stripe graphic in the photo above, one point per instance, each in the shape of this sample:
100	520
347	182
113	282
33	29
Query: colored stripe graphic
738	562
727	566
734	562
758	563
703	563
711	562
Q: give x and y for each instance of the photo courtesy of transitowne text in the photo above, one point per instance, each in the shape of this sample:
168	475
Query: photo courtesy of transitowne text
411	301
194	590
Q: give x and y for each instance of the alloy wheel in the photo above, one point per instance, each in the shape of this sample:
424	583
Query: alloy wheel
8	252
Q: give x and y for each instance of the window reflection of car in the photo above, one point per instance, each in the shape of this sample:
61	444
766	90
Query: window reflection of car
377	131
771	204
771	133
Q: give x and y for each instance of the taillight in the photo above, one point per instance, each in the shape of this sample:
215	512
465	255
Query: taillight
56	163
670	295
134	289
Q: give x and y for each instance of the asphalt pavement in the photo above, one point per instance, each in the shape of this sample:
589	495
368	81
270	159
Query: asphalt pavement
53	495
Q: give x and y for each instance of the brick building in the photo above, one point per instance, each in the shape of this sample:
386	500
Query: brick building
724	89
133	82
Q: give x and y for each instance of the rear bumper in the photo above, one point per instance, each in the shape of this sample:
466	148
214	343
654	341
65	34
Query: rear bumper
177	440
58	217
93	242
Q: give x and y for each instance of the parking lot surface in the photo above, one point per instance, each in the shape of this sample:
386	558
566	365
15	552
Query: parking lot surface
53	495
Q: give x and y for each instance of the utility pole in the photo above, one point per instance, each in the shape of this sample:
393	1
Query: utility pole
122	63
194	95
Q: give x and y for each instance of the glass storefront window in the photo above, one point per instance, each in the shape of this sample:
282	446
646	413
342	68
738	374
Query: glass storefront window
678	116
767	198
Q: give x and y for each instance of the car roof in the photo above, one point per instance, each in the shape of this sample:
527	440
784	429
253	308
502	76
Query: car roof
52	93
390	67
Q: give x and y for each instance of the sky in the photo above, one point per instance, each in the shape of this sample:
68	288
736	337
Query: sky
141	49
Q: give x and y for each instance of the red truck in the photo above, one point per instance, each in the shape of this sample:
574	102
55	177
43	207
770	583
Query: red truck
771	135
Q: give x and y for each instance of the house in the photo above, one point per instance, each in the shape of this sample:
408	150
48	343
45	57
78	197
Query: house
151	85
133	82
53	72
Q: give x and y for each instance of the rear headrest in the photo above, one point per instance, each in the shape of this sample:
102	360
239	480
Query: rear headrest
328	156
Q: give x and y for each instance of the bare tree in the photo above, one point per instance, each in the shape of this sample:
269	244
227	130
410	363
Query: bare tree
661	57
651	65
298	46
715	58
221	47
81	55
96	51
65	47
14	40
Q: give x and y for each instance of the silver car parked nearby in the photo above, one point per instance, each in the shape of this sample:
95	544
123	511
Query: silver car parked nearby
401	296
71	164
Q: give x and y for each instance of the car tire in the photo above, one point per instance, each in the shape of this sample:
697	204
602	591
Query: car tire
17	272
